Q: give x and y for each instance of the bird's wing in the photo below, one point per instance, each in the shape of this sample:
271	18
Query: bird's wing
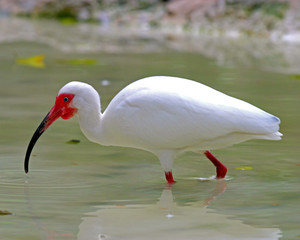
182	115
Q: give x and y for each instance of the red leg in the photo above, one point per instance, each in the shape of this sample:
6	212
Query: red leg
169	177
221	168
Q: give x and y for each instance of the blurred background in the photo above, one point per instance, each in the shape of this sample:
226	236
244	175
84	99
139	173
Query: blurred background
215	28
249	49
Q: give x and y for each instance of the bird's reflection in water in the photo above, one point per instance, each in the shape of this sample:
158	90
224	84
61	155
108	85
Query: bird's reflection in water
169	220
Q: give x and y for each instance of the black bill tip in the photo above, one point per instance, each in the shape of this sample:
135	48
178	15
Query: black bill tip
38	132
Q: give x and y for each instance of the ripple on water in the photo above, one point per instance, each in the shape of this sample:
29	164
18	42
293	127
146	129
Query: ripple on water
45	179
212	178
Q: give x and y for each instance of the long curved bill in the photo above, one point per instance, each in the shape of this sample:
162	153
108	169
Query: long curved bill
47	121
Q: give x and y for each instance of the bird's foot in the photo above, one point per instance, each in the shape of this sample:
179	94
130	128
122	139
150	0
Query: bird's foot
169	177
220	167
221	171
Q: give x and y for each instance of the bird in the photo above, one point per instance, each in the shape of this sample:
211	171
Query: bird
163	115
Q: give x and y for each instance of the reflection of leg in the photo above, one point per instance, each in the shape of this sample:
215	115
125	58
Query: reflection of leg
220	189
169	177
220	167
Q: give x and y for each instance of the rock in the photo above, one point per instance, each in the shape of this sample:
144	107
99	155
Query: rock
194	10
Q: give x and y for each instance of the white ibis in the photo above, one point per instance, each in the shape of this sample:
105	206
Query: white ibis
163	115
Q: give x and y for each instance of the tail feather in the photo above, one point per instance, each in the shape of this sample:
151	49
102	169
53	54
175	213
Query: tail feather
270	136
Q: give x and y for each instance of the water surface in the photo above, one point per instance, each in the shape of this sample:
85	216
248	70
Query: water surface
87	191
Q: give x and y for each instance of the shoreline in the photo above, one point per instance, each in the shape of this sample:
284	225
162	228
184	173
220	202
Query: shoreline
227	48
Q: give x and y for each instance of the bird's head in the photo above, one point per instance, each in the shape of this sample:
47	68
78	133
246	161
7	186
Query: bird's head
71	97
63	108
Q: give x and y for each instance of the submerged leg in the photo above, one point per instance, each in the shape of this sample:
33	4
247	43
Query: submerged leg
169	177
166	158
220	167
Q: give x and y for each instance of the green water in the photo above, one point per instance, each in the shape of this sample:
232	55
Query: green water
87	191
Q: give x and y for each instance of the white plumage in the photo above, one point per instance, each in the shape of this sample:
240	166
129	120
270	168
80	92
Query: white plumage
169	115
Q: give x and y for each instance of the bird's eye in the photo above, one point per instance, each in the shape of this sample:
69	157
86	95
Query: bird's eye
66	99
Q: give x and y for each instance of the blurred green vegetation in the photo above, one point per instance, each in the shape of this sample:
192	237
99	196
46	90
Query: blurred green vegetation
71	11
276	9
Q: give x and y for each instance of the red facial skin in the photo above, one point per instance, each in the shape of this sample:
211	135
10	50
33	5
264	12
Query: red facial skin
61	109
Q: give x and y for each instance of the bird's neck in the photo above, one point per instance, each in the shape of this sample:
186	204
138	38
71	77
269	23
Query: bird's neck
90	124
